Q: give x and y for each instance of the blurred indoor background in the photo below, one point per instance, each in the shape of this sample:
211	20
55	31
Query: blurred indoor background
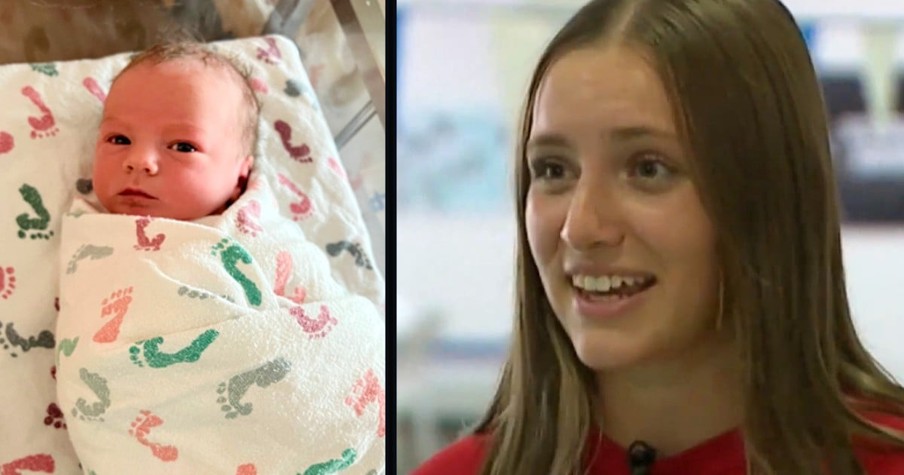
463	69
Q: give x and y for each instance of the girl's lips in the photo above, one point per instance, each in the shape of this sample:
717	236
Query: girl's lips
594	306
135	193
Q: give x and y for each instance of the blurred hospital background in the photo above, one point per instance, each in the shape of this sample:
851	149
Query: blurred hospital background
463	67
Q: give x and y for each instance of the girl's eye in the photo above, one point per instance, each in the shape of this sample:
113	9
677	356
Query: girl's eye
547	170
119	140
183	147
650	167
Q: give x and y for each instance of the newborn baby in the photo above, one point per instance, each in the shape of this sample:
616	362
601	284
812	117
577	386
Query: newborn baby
207	333
177	136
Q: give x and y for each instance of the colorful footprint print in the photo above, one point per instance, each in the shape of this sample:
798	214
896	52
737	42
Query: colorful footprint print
334	465
98	385
230	254
66	348
246	469
234	390
337	168
269	54
7	282
41	463
48	69
10	339
94	88
141	429
117	304
26	223
87	251
248	217
302	208
315	328
200	294
144	243
284	267
45	125
54	417
353	248
299	153
148	351
368	391
7	143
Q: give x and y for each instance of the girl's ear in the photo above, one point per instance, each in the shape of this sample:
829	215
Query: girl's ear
242	182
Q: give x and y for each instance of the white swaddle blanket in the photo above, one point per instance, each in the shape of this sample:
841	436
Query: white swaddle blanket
223	345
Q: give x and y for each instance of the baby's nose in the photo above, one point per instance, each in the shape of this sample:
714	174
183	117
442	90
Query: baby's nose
141	160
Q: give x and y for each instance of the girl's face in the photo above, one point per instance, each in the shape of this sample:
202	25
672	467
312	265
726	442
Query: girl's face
626	253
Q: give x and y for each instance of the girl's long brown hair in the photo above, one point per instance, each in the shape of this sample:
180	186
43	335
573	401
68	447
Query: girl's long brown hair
746	98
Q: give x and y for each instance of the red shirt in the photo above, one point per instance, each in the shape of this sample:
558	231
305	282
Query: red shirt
721	455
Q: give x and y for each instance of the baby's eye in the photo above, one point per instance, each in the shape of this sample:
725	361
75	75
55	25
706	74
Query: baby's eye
183	147
118	140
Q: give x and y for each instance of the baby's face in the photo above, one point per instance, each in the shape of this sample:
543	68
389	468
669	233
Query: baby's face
170	142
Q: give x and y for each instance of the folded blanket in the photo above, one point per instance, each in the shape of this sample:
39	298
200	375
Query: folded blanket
223	345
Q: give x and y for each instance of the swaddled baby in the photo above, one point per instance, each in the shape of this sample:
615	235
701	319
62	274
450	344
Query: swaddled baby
199	330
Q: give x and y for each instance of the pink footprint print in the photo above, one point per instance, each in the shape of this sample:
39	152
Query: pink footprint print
246	469
145	244
299	153
271	54
116	304
141	428
259	85
284	266
44	126
247	218
7	282
42	463
336	167
303	207
94	88
316	328
6	143
367	391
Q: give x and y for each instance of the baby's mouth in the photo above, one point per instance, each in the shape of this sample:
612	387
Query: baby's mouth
136	192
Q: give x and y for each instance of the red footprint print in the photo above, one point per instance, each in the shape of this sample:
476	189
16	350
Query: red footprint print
94	88
34	463
116	304
271	54
7	282
144	243
284	267
303	207
44	126
247	218
141	428
6	143
367	391
54	416
299	153
247	469
316	328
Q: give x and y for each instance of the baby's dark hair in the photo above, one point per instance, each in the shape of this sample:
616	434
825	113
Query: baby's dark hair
164	52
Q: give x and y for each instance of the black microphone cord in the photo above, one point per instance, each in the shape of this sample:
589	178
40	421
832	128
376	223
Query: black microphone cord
641	457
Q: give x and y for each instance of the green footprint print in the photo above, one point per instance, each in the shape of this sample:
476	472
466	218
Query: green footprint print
45	68
230	254
97	385
159	359
33	198
333	466
87	251
234	390
66	347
